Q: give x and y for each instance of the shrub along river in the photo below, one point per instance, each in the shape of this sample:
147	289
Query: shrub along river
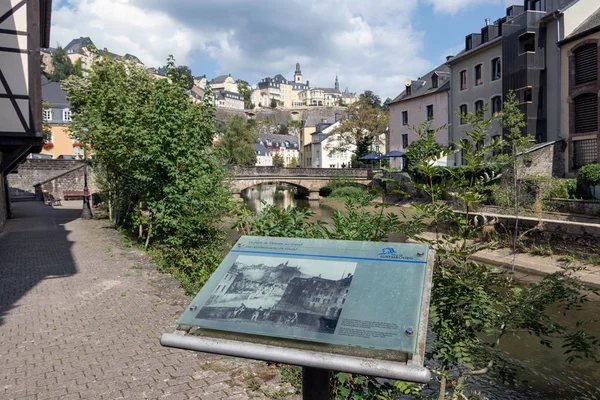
543	372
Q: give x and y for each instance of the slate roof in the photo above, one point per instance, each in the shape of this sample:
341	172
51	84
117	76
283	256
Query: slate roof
590	25
54	95
278	141
219	79
423	87
314	120
196	92
261	150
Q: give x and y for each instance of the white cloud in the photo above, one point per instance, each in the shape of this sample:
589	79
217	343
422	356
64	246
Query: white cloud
367	46
453	6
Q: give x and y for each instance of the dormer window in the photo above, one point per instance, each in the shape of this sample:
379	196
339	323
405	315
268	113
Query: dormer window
434	81
468	43
66	115
47	115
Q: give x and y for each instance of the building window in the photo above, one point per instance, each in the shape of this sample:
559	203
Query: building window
434	81
463	113
478	75
463	80
584	152
404	140
404	117
430	112
586	113
408	91
496	105
479	107
527	43
496	69
527	95
66	115
47	115
586	64
463	151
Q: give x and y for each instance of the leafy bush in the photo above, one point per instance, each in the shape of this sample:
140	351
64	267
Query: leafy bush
571	186
589	175
555	189
352	193
325	191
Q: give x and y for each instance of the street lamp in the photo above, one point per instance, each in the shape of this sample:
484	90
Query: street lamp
86	213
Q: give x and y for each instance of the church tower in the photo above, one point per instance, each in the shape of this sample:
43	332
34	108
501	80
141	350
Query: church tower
298	74
337	84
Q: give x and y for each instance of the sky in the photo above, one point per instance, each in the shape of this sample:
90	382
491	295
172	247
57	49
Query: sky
369	44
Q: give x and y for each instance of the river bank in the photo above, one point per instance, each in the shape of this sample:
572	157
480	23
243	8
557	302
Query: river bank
525	264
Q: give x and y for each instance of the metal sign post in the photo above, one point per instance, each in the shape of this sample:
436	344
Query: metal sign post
325	305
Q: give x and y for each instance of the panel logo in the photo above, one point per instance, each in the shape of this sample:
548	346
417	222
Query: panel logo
390	253
387	251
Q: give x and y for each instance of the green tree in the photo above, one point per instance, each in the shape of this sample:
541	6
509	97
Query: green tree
63	67
293	162
246	92
386	104
237	142
362	127
273	103
371	98
278	160
154	160
422	149
515	141
185	73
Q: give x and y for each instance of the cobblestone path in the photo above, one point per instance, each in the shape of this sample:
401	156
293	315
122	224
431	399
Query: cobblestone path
81	315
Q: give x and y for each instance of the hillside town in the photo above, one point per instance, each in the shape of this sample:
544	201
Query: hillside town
197	226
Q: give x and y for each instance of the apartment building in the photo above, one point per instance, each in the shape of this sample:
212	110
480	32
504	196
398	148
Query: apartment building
424	99
580	85
517	52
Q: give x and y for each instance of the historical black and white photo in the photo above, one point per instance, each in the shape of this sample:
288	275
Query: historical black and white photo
291	292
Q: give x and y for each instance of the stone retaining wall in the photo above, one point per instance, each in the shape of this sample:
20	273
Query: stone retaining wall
564	237
582	207
35	171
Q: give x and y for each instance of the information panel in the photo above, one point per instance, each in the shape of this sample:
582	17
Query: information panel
365	294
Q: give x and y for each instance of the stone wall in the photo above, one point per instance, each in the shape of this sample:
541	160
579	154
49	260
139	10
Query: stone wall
547	161
264	171
35	171
564	237
582	207
282	116
70	180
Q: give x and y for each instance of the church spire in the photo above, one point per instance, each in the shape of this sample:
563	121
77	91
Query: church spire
337	83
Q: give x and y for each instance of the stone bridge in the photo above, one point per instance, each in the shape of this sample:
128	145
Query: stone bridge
307	180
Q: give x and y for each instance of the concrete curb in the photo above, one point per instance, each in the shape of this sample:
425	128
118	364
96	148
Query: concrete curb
534	265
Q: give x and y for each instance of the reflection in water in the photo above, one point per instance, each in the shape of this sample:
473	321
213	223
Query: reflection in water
547	375
258	197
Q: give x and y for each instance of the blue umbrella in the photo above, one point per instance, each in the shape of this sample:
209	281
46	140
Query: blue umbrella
394	153
370	157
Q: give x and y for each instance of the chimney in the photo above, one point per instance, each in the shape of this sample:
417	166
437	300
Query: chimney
487	22
448	58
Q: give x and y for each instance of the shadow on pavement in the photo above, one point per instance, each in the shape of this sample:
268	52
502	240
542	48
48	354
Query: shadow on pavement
33	247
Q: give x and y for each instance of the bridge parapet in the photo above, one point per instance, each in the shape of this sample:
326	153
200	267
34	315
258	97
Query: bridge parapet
260	171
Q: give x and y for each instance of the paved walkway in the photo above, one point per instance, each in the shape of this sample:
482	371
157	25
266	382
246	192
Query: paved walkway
80	317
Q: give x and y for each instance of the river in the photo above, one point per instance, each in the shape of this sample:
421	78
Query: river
544	374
